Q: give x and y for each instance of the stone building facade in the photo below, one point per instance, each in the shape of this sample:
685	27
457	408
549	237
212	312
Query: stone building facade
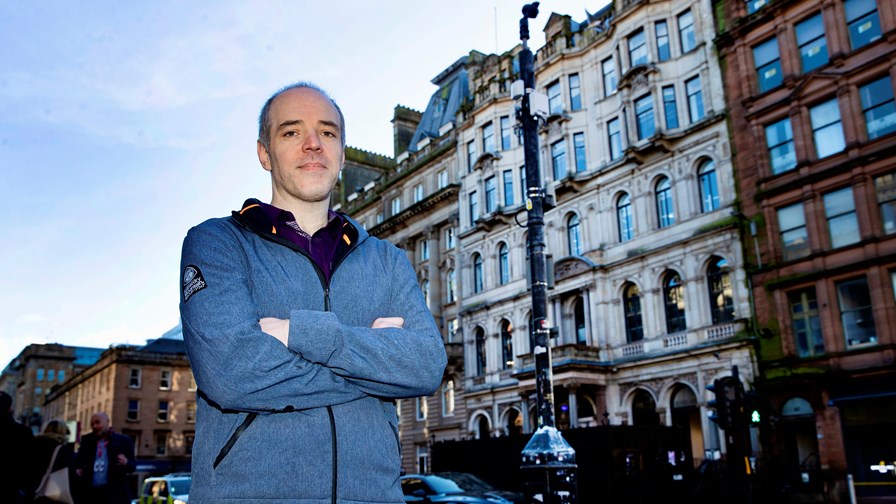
649	291
810	89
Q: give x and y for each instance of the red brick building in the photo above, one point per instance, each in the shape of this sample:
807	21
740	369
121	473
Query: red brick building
810	90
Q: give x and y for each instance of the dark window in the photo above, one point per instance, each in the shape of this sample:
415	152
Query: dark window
488	138
555	100
574	235
491	194
477	273
508	187
480	351
631	300
885	188
721	302
506	130
673	298
855	312
474	208
579	318
615	137
471	155
503	264
507	344
609	72
806	322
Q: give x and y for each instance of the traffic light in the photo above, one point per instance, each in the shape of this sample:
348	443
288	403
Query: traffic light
754	409
725	405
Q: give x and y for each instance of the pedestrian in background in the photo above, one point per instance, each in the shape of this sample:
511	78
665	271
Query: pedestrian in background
55	434
104	460
17	441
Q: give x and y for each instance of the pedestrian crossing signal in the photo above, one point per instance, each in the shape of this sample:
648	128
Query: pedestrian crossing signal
754	416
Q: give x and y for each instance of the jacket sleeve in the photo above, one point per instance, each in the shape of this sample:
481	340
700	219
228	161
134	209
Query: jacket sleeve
391	363
236	365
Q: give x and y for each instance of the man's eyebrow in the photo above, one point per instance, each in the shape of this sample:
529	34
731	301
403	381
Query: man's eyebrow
294	122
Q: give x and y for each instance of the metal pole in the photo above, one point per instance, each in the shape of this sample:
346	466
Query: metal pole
548	461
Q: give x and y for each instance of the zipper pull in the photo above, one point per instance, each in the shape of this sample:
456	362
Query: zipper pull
327	298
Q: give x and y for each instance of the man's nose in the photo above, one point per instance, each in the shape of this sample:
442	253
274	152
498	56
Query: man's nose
312	142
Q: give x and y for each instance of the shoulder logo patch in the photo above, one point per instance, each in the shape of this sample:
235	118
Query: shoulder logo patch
192	281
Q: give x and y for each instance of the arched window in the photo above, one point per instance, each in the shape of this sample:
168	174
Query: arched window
483	428
480	351
624	218
721	303
424	286
631	301
477	273
574	235
664	208
503	264
644	410
673	298
709	187
448	398
506	344
579	317
451	286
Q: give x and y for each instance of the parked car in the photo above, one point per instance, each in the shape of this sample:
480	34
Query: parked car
454	488
169	489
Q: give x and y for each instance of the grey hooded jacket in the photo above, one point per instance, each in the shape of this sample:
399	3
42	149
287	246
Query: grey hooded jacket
314	422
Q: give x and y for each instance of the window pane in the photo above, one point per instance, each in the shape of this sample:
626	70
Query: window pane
779	139
558	159
575	93
863	22
644	114
624	217
508	187
578	141
609	72
491	194
669	107
637	48
878	106
664	205
709	191
686	31
794	238
885	187
768	65
806	323
827	129
839	208
488	138
695	99
615	138
634	327
506	130
662	41
855	312
812	43
574	236
555	101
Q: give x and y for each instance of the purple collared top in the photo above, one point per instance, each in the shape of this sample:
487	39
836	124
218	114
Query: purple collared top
321	246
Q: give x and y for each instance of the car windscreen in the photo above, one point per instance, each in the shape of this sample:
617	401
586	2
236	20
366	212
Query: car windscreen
179	486
460	482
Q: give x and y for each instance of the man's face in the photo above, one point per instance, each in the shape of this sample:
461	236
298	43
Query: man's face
99	424
306	151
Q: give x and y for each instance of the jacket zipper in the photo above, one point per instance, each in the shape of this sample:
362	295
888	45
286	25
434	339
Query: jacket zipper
326	286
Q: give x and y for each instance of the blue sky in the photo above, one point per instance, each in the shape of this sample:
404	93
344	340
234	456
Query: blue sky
124	124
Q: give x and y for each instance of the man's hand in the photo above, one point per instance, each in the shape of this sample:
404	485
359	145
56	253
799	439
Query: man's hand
278	328
122	460
387	322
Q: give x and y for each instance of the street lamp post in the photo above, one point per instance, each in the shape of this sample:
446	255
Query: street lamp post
548	461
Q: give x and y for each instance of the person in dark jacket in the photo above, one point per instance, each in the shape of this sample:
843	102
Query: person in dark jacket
104	460
17	441
55	434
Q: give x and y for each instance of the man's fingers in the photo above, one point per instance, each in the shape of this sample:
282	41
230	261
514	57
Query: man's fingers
386	322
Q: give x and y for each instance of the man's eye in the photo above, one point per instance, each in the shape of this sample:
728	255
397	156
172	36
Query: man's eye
330	134
290	134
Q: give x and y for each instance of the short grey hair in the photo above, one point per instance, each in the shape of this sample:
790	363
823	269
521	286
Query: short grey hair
264	119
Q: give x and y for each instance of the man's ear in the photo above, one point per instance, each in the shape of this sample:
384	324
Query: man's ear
264	157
